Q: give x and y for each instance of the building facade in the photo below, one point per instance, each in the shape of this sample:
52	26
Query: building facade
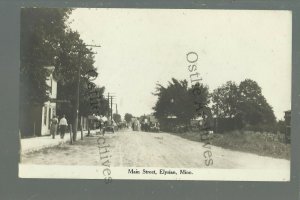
36	119
287	120
49	108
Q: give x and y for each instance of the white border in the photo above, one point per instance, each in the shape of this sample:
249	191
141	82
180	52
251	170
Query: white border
96	172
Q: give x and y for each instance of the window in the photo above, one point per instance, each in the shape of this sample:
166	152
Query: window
49	82
45	115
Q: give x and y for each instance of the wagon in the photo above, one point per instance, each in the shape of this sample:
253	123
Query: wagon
109	128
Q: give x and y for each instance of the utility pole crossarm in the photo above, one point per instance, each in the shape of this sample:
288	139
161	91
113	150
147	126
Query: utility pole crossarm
92	45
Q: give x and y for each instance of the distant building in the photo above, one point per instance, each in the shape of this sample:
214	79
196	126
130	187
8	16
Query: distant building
35	121
196	122
287	120
148	119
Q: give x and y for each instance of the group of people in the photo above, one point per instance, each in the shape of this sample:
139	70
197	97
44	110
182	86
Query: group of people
60	126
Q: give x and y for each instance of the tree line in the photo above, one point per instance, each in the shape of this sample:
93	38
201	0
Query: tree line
48	40
243	105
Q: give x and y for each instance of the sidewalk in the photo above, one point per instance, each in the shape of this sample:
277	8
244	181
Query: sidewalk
37	143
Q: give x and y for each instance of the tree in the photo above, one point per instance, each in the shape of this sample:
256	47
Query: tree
200	97
173	100
41	33
117	118
225	100
42	30
179	100
93	102
75	62
244	104
253	107
128	117
74	53
281	126
46	39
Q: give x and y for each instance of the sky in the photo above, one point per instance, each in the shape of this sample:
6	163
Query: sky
142	47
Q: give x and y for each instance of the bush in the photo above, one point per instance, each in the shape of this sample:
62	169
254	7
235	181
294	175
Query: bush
262	128
264	144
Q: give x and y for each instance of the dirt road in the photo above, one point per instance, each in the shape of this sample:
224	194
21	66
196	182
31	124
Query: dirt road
141	149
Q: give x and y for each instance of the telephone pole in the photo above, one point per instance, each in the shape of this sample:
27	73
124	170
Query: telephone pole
111	106
76	107
108	104
110	98
217	119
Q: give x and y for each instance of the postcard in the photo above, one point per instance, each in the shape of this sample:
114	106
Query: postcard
155	94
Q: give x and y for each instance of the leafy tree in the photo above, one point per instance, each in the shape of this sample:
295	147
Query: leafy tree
244	103
253	107
128	117
200	98
75	55
42	30
177	99
93	102
46	40
225	100
173	100
281	126
117	118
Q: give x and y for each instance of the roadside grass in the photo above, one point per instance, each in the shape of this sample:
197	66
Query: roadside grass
61	147
44	151
247	141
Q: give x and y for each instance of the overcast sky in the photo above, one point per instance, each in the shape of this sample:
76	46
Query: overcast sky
142	47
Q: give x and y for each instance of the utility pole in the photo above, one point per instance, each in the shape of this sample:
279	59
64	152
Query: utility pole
217	119
117	108
111	102
76	107
110	97
108	105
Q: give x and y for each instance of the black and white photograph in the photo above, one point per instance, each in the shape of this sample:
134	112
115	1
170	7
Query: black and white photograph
155	94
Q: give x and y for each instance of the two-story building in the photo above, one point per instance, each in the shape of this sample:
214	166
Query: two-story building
36	120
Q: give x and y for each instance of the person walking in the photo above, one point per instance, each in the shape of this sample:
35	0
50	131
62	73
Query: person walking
100	126
63	124
53	127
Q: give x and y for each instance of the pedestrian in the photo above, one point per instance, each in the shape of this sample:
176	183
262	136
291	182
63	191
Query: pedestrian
53	127
63	124
57	127
100	126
